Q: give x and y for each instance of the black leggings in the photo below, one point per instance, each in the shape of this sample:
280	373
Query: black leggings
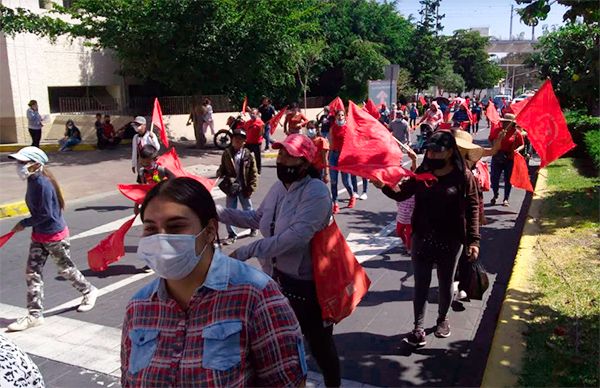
255	148
36	136
302	296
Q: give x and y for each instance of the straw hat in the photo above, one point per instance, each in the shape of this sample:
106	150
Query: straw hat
508	117
464	140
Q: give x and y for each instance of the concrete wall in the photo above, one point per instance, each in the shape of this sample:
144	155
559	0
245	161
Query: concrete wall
29	65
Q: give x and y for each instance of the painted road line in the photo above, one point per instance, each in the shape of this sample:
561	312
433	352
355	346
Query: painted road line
79	343
102	291
366	246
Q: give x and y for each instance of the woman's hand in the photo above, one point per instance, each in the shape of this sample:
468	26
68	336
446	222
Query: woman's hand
472	253
17	228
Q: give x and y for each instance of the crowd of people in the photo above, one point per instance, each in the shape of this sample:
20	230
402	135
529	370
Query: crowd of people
247	326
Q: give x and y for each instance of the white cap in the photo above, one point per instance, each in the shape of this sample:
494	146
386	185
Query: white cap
140	120
30	154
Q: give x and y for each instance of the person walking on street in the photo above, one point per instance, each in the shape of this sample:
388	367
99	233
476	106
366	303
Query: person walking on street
207	320
502	162
34	123
413	114
337	133
267	111
432	116
294	121
399	127
445	221
240	179
255	129
295	208
142	138
50	237
321	156
324	122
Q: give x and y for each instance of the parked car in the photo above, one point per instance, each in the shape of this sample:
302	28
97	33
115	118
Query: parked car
522	97
501	99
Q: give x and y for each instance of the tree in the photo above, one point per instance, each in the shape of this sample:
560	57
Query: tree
309	54
364	62
569	57
471	61
447	80
537	10
405	88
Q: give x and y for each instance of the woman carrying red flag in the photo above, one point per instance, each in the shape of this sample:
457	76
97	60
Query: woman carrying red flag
337	133
294	121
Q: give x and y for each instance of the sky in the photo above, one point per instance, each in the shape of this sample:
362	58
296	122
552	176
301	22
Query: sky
495	14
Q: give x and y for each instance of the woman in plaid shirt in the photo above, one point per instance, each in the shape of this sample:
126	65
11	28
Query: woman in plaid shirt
208	320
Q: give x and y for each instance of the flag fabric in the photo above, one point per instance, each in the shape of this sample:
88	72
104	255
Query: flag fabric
469	113
135	192
492	113
110	249
5	238
546	126
372	109
245	105
274	122
157	121
520	174
517	107
335	105
370	150
170	160
422	100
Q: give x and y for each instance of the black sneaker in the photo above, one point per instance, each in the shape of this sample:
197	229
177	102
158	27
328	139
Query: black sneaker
442	330
416	338
493	201
253	233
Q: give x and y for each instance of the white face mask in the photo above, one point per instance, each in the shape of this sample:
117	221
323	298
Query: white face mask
171	256
23	170
311	132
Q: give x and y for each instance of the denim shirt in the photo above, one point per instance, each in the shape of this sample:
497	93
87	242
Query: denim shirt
300	212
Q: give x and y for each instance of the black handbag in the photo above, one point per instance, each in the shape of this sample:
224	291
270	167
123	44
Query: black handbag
478	281
230	186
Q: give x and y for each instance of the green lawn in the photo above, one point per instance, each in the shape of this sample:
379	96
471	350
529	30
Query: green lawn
563	340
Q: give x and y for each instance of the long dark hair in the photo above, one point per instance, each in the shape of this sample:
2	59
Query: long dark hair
61	200
185	191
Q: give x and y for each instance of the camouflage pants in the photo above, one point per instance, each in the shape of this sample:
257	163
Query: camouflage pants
38	254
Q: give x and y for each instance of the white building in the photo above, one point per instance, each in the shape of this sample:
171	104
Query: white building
56	75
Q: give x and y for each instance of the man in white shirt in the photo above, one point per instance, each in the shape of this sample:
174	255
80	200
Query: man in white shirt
142	138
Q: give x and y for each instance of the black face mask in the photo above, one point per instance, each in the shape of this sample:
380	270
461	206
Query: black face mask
288	174
436	164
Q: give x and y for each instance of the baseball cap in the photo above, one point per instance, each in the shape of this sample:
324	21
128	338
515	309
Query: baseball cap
239	132
299	146
139	120
440	140
30	154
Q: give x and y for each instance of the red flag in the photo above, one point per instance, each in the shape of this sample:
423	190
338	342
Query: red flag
422	100
372	109
517	107
170	160
445	126
5	238
370	150
274	122
466	105
545	124
110	249
520	175
492	113
335	105
245	104
135	192
157	121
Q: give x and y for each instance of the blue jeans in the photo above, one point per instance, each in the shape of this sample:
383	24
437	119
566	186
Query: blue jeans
231	203
268	140
501	165
354	180
333	175
70	142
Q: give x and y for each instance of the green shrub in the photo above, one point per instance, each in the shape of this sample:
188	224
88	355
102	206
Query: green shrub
579	124
592	143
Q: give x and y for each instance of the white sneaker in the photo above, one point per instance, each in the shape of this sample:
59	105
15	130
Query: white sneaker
355	194
461	295
88	301
363	196
25	323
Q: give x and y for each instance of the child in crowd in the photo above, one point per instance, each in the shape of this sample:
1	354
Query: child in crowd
150	171
141	138
320	161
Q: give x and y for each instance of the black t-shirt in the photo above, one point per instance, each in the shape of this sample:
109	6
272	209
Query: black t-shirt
266	112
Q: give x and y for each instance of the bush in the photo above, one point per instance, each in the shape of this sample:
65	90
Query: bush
579	124
592	143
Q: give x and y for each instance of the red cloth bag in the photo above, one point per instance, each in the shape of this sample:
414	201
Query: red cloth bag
340	280
483	176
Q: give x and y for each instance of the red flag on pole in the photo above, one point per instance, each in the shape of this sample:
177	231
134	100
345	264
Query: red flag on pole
135	192
110	249
274	122
370	150
546	126
422	100
372	109
157	121
517	107
335	105
245	105
5	238
170	160
520	175
492	113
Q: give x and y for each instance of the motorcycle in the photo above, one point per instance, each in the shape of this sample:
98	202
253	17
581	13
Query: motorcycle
222	138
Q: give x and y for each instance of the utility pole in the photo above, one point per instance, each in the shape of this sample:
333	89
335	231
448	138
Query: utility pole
532	33
511	20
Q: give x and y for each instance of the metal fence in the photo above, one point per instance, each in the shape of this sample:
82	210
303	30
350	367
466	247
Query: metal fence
174	105
87	105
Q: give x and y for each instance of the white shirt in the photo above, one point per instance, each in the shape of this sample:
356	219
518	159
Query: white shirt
138	142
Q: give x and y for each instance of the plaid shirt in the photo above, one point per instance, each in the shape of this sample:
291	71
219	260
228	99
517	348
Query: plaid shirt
238	330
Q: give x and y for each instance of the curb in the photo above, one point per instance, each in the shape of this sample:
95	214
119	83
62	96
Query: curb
14	209
51	147
270	155
508	345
